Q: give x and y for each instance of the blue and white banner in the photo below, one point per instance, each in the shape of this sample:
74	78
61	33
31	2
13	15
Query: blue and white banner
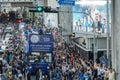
41	43
42	47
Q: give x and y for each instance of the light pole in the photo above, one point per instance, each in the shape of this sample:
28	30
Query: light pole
94	43
108	34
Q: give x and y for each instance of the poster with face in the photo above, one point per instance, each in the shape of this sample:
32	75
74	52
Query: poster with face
89	11
51	20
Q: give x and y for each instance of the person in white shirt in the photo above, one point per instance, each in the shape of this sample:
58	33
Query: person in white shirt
111	75
64	67
49	25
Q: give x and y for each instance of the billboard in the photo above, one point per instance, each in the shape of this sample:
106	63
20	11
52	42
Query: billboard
90	11
51	20
40	43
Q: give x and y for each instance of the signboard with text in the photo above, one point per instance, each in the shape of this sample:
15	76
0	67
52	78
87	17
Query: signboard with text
41	43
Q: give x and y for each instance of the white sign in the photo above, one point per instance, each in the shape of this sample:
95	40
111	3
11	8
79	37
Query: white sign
51	20
6	5
2	1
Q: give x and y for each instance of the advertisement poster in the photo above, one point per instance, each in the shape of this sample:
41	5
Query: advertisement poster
51	20
87	12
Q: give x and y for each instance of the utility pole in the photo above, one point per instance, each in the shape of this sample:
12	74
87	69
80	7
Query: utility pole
108	35
94	43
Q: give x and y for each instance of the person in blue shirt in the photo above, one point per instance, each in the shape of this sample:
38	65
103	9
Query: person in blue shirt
42	60
10	56
81	75
85	23
26	32
40	30
58	74
86	76
103	25
50	74
28	69
99	78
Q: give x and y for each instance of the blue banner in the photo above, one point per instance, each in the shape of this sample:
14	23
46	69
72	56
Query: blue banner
66	2
42	47
44	38
103	60
41	43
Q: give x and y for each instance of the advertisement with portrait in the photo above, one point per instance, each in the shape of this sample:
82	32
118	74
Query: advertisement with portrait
51	20
87	12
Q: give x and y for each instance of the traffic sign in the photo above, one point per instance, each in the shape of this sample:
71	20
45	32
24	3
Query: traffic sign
66	2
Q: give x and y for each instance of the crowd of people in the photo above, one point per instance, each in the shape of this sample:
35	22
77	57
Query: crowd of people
12	64
67	64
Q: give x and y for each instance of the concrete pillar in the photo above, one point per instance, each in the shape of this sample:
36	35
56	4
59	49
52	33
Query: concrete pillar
65	19
116	37
53	3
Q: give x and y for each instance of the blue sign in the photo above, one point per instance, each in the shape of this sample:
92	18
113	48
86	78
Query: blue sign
40	43
43	47
44	38
103	60
66	2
